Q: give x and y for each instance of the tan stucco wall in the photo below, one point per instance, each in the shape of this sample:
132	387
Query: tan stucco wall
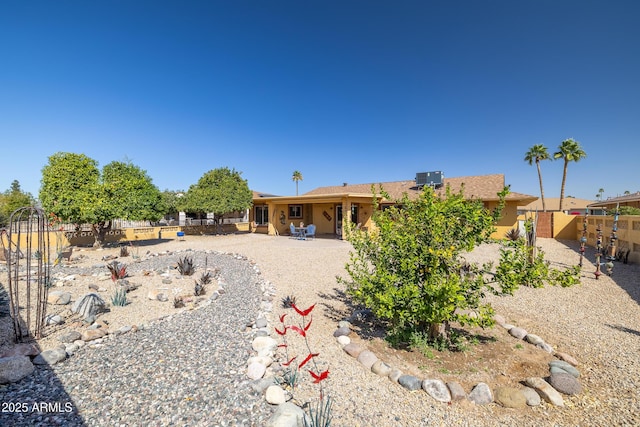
508	221
564	226
628	232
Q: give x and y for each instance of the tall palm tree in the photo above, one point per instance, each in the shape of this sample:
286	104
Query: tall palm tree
535	154
297	176
570	151
600	193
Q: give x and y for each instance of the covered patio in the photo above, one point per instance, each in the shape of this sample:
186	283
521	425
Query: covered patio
273	215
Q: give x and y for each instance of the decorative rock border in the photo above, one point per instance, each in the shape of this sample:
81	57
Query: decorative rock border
563	375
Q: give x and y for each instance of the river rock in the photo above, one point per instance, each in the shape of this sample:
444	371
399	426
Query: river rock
456	390
410	382
481	394
15	368
89	305
51	356
437	389
517	332
565	383
545	391
510	397
565	366
59	298
367	358
275	395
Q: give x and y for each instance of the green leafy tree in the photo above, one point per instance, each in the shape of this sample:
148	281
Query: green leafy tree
297	176
171	200
570	151
219	191
625	210
12	200
536	154
411	272
74	189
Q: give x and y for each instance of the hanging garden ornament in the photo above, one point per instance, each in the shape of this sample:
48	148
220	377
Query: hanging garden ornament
598	250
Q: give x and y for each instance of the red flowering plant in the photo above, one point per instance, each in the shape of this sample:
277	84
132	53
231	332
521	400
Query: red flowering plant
321	414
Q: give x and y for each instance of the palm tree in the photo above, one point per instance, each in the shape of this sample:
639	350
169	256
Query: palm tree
600	193
570	151
627	192
535	154
297	176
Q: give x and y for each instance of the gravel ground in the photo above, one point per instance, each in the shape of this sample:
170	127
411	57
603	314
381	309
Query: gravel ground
189	370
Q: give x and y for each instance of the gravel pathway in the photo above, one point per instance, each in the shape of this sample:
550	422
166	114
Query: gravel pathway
187	370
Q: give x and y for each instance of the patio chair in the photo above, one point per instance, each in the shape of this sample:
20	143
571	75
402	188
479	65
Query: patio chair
311	231
293	233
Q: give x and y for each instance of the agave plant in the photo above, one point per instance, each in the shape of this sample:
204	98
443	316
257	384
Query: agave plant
119	297
513	234
288	301
185	266
199	289
178	302
118	270
205	278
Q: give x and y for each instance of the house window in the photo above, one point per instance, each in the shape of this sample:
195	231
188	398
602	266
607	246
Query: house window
295	211
262	215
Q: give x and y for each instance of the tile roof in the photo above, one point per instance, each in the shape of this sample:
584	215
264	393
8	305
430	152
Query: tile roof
627	198
553	204
484	187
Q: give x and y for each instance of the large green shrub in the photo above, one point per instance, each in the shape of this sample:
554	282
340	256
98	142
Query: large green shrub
411	272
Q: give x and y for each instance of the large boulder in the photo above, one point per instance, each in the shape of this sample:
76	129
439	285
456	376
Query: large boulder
15	368
89	306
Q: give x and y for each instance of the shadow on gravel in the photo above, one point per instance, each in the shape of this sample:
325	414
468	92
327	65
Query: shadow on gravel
625	329
626	276
39	399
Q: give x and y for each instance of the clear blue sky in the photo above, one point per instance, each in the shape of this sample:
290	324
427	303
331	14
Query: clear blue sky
343	91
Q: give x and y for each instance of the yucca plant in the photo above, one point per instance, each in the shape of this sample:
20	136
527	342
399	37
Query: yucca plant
119	297
118	270
320	416
185	266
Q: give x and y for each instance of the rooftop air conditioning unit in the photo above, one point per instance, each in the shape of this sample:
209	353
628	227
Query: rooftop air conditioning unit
432	179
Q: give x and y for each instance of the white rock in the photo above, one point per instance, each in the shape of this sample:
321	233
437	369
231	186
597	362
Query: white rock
256	370
343	340
264	343
275	395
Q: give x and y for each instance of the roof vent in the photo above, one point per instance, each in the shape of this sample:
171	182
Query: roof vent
432	179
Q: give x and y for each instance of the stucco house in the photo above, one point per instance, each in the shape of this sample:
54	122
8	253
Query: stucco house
610	204
328	207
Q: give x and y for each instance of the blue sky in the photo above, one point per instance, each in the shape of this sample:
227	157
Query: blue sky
343	91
